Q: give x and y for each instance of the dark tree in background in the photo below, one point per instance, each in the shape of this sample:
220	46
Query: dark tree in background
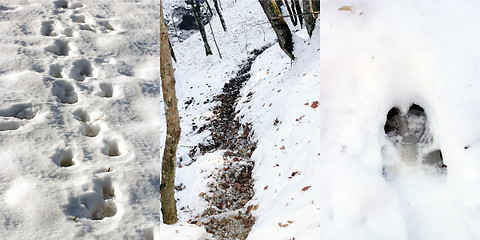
198	18
169	160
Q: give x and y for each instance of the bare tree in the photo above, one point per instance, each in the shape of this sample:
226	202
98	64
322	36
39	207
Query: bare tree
279	26
198	18
169	160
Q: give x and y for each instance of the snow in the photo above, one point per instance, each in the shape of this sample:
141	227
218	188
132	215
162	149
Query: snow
82	126
80	120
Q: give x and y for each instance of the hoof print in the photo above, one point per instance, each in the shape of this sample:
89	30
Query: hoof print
55	70
111	148
47	29
81	69
59	48
106	90
63	158
64	91
90	129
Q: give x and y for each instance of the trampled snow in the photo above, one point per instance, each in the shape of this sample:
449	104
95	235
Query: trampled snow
80	119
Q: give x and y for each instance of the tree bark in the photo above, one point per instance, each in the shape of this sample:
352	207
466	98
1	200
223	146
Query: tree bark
198	18
279	26
167	198
310	6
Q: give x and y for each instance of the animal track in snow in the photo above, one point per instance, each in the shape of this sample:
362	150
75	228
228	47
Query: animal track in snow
64	91
59	48
78	18
111	148
6	126
61	3
87	27
68	32
106	26
106	90
90	129
47	29
55	70
412	140
99	203
20	111
75	5
80	69
81	115
63	158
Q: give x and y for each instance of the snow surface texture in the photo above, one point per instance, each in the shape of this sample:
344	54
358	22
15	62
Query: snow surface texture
377	55
80	119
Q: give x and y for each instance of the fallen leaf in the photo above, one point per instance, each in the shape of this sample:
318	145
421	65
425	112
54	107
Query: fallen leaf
306	104
282	148
346	8
295	173
255	207
306	188
283	225
265	188
314	104
290	221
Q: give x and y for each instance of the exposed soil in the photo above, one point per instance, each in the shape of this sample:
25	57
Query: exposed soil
228	216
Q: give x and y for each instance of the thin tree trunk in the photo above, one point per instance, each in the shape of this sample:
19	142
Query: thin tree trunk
167	198
217	8
279	26
298	9
196	14
293	17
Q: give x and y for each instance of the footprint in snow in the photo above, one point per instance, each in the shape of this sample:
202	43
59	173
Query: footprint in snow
106	90
96	204
111	148
9	125
63	158
55	70
59	48
48	29
64	91
66	4
409	133
81	69
19	111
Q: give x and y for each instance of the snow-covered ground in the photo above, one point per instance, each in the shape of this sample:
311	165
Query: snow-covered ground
80	119
81	126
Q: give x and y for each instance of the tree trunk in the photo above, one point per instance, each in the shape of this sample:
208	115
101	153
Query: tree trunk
279	26
310	6
293	17
198	18
217	8
167	198
298	9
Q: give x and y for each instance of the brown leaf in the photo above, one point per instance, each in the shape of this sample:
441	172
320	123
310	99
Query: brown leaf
346	8
255	207
265	188
282	148
306	104
282	225
295	173
306	188
290	221
314	104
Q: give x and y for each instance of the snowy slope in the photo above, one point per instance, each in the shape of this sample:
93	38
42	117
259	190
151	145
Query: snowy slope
280	101
79	119
377	55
